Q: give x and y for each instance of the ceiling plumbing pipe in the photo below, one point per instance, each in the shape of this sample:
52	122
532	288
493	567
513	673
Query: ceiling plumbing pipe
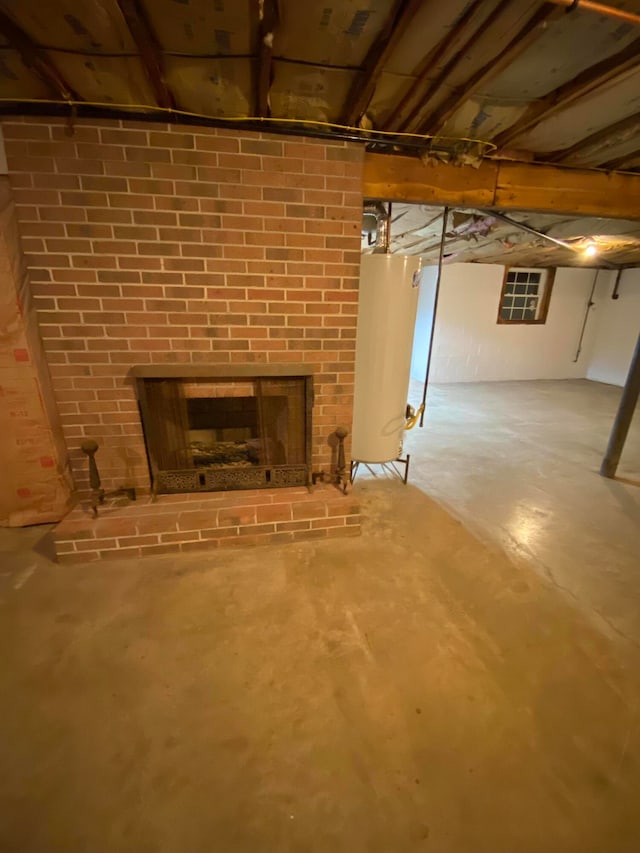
590	304
530	230
376	210
563	243
443	235
599	8
616	287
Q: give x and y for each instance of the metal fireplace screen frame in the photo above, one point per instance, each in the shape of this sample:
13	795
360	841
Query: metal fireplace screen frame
167	426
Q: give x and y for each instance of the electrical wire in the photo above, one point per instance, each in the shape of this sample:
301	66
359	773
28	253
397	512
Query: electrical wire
363	134
359	134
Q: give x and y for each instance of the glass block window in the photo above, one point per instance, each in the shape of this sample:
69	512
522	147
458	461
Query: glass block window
525	296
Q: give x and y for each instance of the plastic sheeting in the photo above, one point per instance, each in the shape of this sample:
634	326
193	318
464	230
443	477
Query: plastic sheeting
36	484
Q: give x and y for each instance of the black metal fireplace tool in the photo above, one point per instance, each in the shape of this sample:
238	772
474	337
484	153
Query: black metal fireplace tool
98	494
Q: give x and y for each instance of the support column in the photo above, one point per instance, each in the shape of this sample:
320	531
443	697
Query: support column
627	407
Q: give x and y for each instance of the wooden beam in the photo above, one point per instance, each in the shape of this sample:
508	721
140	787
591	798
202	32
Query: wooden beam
626	127
572	191
396	120
395	178
503	186
526	36
364	85
35	59
580	86
149	50
267	21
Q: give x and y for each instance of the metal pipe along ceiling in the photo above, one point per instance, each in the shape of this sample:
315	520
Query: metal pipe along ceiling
383	225
600	8
530	230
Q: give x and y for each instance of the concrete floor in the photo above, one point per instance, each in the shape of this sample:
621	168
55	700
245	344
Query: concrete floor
463	679
518	462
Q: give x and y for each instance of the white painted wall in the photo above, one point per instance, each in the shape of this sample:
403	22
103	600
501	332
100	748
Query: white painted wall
470	346
424	321
617	325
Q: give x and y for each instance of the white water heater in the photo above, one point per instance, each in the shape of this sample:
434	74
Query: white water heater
387	309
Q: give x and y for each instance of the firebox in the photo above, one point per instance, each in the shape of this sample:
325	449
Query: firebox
214	428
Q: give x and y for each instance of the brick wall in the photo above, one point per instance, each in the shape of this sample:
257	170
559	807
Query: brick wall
162	244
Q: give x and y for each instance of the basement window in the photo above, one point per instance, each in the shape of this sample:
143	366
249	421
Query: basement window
525	296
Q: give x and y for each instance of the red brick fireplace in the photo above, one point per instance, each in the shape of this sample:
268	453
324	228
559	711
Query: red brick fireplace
165	246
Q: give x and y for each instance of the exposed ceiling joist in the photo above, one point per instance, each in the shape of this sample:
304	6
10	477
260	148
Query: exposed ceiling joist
628	126
268	19
364	85
415	121
623	162
335	63
149	49
583	84
502	185
35	58
415	116
526	36
402	111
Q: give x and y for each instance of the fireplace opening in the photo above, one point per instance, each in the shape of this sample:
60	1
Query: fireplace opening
223	431
210	434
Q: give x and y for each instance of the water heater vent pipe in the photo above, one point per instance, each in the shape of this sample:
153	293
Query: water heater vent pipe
383	230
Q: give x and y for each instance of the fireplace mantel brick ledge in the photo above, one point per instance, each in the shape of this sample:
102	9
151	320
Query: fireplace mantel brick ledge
189	522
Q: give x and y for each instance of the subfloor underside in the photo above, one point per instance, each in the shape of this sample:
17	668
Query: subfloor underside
448	682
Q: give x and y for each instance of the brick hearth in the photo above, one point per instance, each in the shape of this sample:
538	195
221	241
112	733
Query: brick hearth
192	522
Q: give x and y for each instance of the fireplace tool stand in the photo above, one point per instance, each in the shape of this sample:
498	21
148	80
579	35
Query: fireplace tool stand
343	479
98	494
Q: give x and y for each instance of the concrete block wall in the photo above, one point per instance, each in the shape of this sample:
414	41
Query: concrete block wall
470	346
161	244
